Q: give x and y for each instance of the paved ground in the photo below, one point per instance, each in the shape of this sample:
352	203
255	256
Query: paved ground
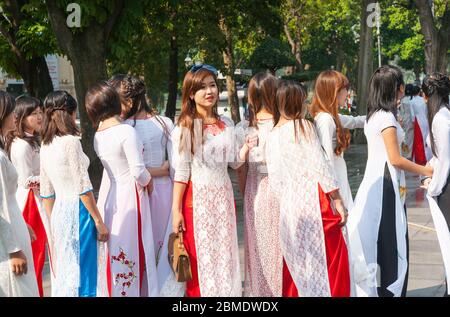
426	275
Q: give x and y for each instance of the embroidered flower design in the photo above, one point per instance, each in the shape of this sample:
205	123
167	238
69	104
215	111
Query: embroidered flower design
124	279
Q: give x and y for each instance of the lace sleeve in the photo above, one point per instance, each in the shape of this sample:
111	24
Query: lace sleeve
46	187
181	159
7	235
316	160
78	164
274	162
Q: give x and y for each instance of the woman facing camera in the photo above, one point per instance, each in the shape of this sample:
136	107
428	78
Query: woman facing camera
203	202
17	276
24	146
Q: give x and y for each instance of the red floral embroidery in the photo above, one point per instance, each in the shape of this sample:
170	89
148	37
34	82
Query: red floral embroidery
124	279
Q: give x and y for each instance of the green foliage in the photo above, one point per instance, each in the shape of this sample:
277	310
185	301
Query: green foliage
31	35
400	30
272	54
327	32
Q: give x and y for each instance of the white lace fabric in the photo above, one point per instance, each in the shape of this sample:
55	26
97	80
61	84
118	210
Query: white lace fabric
296	168
215	230
64	175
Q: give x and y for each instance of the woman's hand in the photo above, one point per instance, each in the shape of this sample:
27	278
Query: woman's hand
32	234
165	165
425	183
18	262
177	221
428	170
340	208
150	187
250	142
102	231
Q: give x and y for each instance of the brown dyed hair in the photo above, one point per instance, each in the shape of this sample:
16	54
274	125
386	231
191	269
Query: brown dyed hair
327	86
102	102
262	91
58	109
7	104
191	84
25	106
290	99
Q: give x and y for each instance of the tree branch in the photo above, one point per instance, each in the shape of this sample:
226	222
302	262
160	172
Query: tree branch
118	10
12	7
9	36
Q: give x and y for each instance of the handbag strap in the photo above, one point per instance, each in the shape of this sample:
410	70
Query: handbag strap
180	235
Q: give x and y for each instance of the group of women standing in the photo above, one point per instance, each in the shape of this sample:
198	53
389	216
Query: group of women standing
132	143
160	178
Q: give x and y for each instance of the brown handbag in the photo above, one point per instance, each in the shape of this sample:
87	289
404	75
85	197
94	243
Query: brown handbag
178	258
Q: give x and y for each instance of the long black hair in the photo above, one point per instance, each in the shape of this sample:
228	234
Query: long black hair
383	90
437	88
25	106
7	104
409	91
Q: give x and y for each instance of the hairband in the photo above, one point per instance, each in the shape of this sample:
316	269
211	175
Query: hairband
212	69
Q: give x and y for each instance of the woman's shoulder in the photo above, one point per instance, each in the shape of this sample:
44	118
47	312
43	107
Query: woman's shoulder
381	115
165	119
227	120
20	147
66	141
19	144
442	117
243	124
323	116
324	119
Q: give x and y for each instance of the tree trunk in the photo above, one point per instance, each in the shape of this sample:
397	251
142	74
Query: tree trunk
228	59
36	77
417	70
295	48
89	68
365	66
436	40
87	52
173	79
